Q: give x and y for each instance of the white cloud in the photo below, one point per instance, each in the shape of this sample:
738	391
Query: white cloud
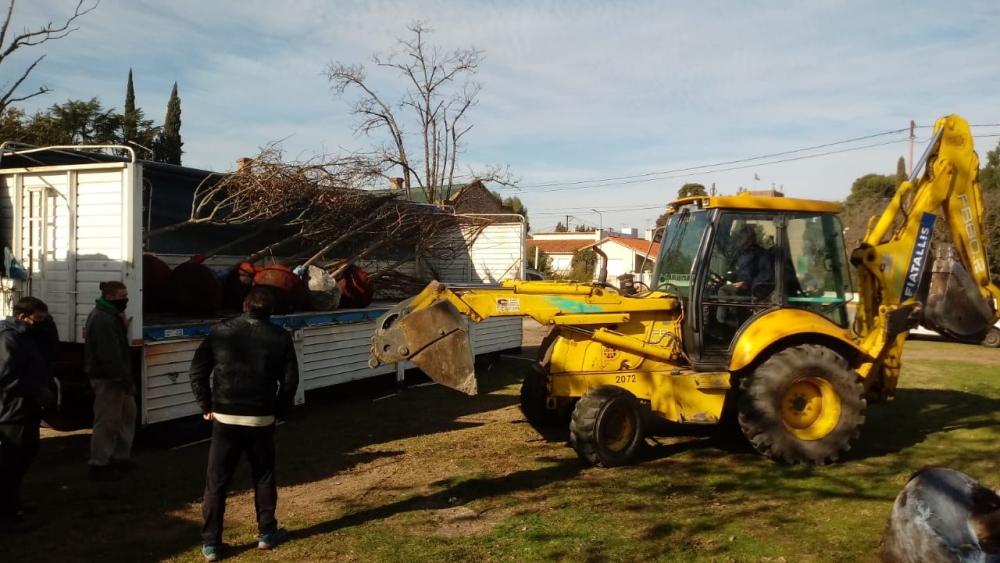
572	90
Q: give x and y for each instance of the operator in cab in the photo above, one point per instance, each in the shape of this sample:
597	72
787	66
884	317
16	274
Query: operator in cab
754	270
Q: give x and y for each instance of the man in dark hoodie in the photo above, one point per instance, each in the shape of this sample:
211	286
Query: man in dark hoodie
254	374
108	364
26	385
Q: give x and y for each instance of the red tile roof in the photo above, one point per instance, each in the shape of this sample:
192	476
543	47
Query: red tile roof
559	246
637	244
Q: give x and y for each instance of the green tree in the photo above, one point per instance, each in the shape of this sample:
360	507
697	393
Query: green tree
560	228
989	173
514	204
872	187
539	260
130	119
690	190
989	182
137	131
585	229
901	171
168	145
12	125
870	195
85	123
583	265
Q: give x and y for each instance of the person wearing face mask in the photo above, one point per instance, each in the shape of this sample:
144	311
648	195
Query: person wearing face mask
106	362
26	386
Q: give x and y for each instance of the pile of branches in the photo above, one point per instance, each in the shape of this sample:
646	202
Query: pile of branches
324	203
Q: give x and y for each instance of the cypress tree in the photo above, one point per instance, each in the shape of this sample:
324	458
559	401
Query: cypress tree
168	146
130	120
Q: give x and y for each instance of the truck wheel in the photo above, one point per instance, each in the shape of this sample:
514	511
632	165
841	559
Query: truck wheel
606	428
992	339
803	405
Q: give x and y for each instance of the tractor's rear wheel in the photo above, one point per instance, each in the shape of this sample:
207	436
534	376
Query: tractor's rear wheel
606	428
802	405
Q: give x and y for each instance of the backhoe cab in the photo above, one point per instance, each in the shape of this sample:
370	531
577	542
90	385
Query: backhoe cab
748	311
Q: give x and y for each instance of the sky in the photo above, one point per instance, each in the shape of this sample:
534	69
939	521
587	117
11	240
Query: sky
602	110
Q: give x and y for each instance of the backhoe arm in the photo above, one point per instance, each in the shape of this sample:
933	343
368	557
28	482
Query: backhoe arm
893	257
429	331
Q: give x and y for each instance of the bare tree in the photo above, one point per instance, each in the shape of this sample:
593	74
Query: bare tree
11	42
437	97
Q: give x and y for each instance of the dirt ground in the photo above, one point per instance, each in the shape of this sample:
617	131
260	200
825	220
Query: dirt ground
357	453
326	468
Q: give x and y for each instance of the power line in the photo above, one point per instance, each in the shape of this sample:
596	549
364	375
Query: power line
726	163
669	174
681	173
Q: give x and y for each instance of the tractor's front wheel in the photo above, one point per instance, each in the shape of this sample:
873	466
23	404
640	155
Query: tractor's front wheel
802	405
606	428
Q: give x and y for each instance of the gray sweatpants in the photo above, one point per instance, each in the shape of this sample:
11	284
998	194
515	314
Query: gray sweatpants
114	423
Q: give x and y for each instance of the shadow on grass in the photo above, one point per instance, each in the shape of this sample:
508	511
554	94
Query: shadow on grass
916	414
153	513
889	428
451	495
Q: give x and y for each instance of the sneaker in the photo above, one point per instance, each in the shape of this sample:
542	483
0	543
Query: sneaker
211	552
268	541
104	473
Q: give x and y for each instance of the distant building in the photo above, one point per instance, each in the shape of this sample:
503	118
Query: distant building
766	193
560	247
627	253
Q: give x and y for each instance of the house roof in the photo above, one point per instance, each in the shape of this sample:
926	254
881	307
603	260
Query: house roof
560	246
417	194
637	245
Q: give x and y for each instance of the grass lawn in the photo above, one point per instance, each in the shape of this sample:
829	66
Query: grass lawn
428	474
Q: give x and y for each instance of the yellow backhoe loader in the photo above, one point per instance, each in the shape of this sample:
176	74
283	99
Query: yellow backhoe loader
748	311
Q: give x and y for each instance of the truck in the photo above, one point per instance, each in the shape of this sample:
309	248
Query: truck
72	217
779	353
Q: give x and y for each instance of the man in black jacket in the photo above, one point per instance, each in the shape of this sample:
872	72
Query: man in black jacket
254	376
25	385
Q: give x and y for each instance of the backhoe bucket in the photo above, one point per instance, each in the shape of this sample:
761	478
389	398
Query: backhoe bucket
954	306
434	338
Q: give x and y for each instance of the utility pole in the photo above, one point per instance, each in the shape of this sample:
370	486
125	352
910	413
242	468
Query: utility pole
909	167
601	215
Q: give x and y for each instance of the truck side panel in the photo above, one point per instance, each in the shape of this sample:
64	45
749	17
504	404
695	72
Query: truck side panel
496	334
333	354
69	231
